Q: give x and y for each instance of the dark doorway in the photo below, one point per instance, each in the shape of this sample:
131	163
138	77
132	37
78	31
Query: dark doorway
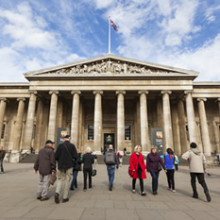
109	138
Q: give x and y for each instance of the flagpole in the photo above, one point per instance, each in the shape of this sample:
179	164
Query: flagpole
109	36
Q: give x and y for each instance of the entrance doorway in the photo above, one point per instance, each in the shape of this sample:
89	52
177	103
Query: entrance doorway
109	138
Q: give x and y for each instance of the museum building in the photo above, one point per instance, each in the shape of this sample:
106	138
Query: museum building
110	100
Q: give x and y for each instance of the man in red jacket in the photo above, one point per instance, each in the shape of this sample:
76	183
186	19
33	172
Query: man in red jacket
46	164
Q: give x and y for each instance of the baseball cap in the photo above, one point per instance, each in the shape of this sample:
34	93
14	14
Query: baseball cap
49	142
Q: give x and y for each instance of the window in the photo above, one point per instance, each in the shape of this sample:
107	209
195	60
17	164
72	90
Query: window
3	131
90	132
127	132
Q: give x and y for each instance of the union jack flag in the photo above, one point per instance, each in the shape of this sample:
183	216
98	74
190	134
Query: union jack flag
113	25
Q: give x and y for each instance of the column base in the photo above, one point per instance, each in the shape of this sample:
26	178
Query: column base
14	156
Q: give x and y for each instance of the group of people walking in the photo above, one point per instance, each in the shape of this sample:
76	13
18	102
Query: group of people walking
70	161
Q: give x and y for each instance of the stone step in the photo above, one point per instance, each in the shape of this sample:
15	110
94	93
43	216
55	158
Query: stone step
29	158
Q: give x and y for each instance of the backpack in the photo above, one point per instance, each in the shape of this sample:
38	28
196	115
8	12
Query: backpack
110	158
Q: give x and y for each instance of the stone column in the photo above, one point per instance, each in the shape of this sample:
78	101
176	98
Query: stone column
18	124
182	125
30	121
39	127
53	115
190	117
98	121
2	114
176	130
120	120
204	127
145	142
219	106
75	117
168	134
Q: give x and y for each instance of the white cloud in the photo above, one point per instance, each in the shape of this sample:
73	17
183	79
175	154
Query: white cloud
103	3
27	30
30	44
205	60
210	13
179	23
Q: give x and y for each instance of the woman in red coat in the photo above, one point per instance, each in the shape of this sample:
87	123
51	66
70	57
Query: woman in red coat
137	169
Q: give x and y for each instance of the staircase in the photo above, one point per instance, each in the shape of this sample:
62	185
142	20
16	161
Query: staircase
29	158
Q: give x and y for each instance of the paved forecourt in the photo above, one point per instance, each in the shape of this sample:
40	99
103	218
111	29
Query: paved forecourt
18	198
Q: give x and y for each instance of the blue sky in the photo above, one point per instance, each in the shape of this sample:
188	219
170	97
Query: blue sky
40	33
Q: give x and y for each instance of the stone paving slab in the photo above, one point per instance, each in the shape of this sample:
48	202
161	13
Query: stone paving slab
18	198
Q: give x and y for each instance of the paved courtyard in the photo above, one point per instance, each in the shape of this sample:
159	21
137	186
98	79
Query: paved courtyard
18	198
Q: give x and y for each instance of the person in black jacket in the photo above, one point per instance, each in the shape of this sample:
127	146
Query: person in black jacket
46	164
76	169
2	156
88	160
66	156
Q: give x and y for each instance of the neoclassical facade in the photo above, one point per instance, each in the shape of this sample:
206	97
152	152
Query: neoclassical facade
110	99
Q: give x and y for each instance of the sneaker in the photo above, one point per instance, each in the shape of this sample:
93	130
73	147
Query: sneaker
44	198
84	190
66	200
173	190
56	198
208	197
143	194
169	189
155	193
133	190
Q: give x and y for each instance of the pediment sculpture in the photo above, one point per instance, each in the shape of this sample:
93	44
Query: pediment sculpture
107	66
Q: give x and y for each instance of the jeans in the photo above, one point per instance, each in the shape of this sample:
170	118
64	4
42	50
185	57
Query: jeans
43	186
89	173
1	163
141	182
201	179
170	178
63	177
111	174
74	180
154	176
176	167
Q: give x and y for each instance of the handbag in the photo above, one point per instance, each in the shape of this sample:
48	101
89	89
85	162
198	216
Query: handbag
159	167
94	172
130	172
53	178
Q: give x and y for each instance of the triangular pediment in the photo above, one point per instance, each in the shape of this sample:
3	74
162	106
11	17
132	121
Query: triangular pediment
110	66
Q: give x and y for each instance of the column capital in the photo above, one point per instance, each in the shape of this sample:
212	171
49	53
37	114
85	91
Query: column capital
120	92
98	92
188	91
202	99
143	91
75	92
21	99
53	92
3	99
33	92
166	92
